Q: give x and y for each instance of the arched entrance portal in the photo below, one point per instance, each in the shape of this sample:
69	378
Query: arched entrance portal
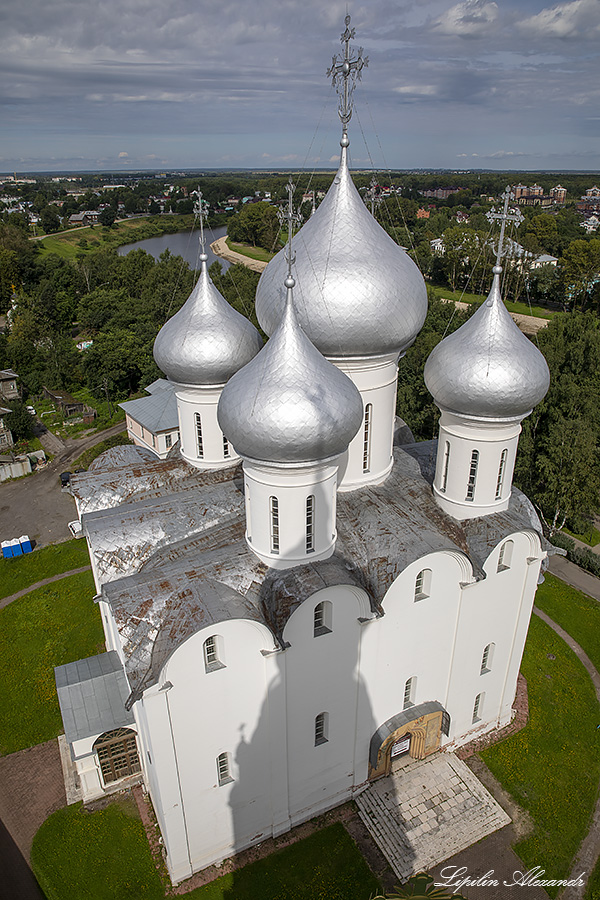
117	754
415	732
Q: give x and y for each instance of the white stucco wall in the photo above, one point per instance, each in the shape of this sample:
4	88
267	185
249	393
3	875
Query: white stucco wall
203	401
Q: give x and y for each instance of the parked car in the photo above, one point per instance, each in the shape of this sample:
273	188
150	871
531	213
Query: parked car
75	528
65	479
31	410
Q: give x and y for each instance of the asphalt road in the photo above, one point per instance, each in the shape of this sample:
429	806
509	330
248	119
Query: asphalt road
35	505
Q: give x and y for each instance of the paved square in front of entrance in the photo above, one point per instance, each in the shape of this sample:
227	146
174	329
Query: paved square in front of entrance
427	811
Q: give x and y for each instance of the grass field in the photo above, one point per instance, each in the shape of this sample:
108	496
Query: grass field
251	252
522	308
23	571
89	455
48	627
81	240
103	856
552	766
577	614
591	536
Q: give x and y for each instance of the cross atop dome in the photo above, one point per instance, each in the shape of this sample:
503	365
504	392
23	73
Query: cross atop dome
200	211
505	216
288	215
345	71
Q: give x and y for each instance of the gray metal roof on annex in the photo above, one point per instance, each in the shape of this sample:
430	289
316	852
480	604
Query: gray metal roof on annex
92	694
157	412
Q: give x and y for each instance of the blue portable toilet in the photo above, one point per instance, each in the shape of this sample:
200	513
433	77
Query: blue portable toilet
16	547
6	549
25	543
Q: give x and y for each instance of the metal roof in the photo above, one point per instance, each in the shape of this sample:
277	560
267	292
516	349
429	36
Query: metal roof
178	560
92	694
157	412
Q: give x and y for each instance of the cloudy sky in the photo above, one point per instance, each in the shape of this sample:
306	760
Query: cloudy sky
131	84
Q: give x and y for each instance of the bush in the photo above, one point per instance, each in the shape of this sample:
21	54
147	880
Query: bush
581	556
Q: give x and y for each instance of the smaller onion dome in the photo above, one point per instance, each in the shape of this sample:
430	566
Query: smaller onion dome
207	340
487	367
359	293
289	404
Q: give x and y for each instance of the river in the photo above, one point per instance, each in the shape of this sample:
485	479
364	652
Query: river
184	243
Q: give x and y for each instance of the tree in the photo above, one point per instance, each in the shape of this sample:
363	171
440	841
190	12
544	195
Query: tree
580	268
107	216
19	421
50	219
255	224
558	463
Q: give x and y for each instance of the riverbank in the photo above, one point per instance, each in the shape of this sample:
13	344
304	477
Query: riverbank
68	244
220	248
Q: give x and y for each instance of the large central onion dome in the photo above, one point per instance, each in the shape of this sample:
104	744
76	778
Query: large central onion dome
289	405
359	294
488	367
207	340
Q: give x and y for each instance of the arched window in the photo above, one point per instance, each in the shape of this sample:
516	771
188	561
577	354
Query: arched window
199	442
423	584
486	659
501	468
367	438
117	754
472	475
478	707
213	653
323	618
409	692
224	768
274	514
446	463
226	452
248	518
310	524
505	556
321	728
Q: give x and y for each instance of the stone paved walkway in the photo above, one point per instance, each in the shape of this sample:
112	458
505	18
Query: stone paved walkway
427	811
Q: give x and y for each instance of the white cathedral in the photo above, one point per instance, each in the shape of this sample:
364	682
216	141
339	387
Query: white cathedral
300	595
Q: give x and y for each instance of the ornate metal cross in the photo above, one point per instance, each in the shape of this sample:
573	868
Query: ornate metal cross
345	71
515	215
288	215
201	212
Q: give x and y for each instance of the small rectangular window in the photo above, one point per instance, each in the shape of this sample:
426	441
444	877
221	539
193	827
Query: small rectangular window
226	453
212	659
472	475
478	707
199	441
500	480
224	768
274	509
310	524
168	441
444	483
409	692
321	728
367	438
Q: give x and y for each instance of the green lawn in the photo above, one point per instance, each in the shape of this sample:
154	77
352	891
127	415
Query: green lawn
250	252
104	855
522	308
22	571
50	626
591	536
573	611
68	244
552	766
89	455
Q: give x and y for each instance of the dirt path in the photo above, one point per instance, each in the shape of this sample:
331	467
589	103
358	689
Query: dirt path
220	248
32	587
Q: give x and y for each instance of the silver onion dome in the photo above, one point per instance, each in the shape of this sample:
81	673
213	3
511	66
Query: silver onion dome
207	340
359	293
487	367
289	404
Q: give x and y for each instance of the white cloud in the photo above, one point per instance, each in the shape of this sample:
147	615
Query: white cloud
472	18
419	90
123	154
576	19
